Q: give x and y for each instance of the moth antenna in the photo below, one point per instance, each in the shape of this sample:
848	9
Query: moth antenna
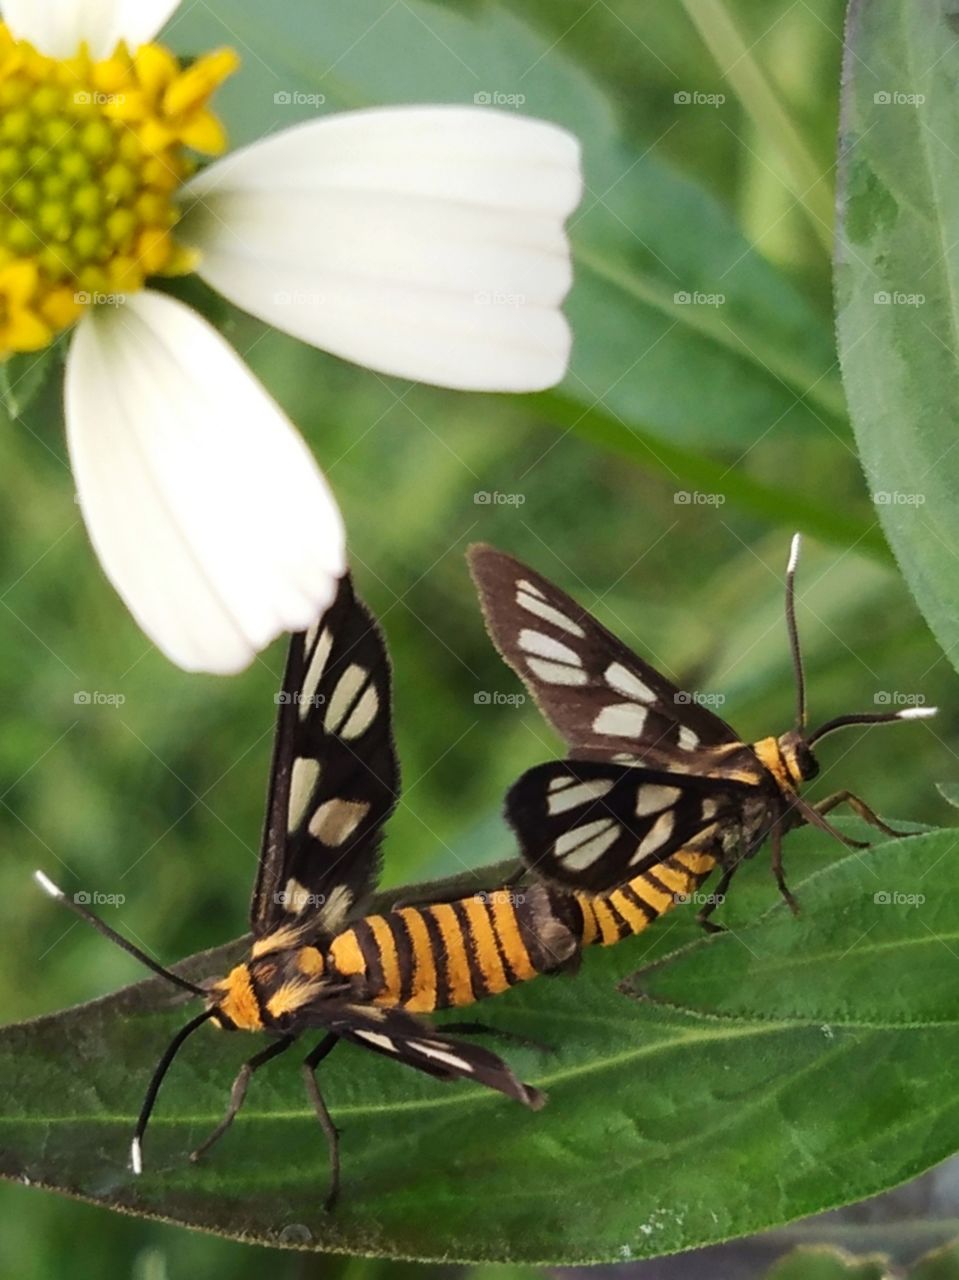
794	550
869	717
47	885
150	1097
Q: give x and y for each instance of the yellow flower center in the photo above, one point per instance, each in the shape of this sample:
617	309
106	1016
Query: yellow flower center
92	155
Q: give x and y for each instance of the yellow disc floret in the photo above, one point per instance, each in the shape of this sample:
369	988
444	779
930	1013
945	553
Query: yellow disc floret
92	156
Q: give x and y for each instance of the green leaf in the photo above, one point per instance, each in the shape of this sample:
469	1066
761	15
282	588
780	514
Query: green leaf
868	948
941	1264
822	1262
23	376
949	791
646	238
897	282
665	1130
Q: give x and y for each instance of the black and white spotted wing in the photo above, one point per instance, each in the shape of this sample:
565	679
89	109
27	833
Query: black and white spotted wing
600	697
592	824
335	776
399	1035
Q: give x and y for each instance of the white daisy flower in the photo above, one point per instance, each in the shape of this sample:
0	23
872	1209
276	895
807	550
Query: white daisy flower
425	242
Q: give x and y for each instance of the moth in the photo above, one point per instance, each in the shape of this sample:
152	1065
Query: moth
317	963
653	778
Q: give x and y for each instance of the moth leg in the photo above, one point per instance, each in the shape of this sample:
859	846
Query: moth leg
860	809
776	836
702	916
330	1131
238	1092
499	1033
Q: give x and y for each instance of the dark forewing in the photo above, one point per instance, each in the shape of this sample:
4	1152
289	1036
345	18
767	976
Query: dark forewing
400	1036
593	825
335	777
598	695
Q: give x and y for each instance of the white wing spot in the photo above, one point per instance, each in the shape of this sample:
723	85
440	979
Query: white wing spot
362	715
555	673
709	809
655	837
524	584
429	1050
654	797
581	847
336	820
564	780
314	671
582	793
378	1039
688	740
628	683
547	647
347	692
295	897
621	720
302	785
537	605
336	906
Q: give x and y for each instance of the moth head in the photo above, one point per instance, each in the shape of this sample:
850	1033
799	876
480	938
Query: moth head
798	758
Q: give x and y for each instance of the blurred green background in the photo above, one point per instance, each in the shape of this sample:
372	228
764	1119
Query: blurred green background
160	799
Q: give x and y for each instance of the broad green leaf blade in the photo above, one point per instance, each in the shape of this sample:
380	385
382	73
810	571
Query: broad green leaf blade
22	377
897	283
875	943
664	1130
680	325
941	1264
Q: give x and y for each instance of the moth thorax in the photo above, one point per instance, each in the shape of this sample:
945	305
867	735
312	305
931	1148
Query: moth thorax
235	998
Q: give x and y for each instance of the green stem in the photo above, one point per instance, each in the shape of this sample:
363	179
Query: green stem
735	60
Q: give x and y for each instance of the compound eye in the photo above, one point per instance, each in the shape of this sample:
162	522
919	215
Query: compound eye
807	763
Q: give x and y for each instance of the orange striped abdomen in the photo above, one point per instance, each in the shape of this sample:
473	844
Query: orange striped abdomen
455	953
634	906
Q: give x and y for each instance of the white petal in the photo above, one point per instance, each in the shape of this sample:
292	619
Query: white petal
58	27
204	505
425	242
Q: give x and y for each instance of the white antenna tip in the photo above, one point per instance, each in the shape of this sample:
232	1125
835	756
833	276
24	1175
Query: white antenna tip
794	548
136	1157
917	713
47	885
